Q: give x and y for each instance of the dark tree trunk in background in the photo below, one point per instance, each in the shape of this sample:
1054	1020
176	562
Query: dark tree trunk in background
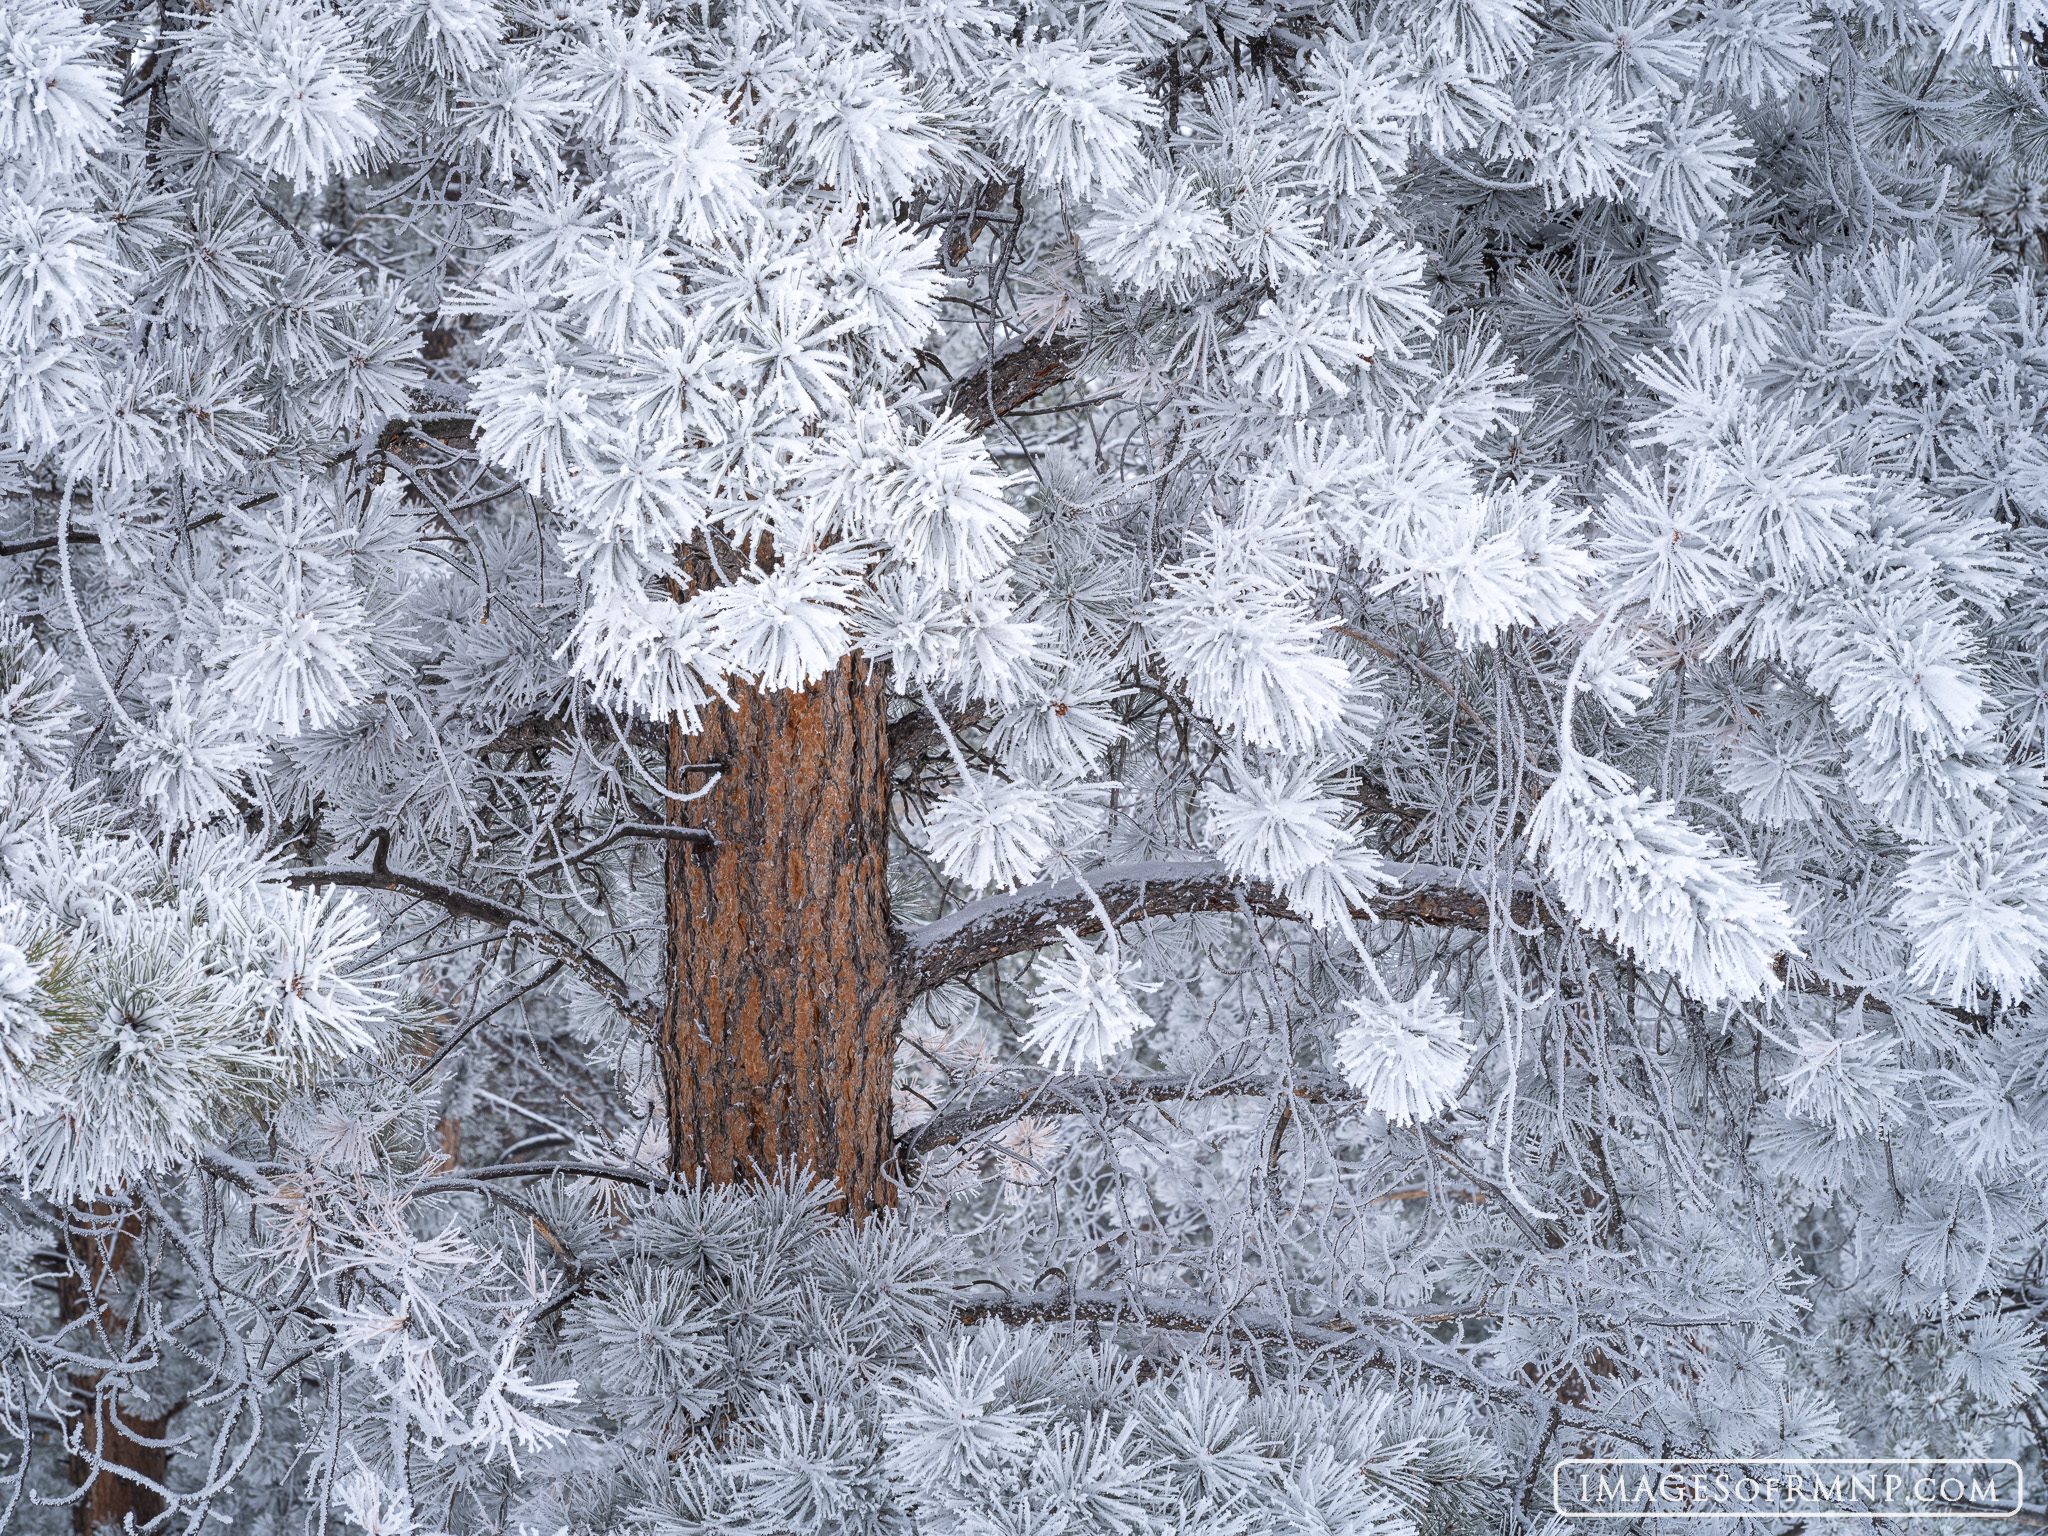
778	1039
98	1242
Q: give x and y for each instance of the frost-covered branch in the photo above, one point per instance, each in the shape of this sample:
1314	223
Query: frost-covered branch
1083	1094
1031	918
1245	1326
495	427
552	1169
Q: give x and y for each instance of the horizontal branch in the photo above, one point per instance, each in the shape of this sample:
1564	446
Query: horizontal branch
656	831
80	536
1240	1326
1079	1094
450	431
1429	896
47	542
479	908
574	1170
987	930
260	1179
1015	379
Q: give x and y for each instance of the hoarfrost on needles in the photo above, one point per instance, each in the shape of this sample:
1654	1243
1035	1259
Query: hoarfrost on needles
902	767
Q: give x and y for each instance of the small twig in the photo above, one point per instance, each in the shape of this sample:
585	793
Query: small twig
631	829
496	1008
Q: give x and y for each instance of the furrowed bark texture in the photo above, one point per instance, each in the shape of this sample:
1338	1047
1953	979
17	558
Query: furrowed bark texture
779	1032
1014	380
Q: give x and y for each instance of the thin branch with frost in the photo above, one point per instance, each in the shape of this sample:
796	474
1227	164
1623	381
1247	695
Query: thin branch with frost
476	907
1084	1094
1250	1326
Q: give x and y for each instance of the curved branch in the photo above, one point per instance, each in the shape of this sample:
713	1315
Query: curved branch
479	908
1077	1094
1429	895
574	1170
987	930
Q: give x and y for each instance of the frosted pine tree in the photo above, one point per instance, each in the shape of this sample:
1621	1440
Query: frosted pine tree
888	766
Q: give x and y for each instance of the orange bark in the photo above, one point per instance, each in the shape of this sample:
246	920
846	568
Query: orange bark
778	1039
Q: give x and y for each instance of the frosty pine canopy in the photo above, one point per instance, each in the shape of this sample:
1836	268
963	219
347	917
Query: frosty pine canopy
914	768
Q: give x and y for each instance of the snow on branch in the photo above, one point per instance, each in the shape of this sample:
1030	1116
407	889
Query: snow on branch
1427	895
1239	1326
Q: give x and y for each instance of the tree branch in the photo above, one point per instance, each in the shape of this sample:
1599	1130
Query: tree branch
918	732
1242	1327
475	1019
479	908
1078	1094
1430	896
1015	379
48	541
655	831
987	930
574	1170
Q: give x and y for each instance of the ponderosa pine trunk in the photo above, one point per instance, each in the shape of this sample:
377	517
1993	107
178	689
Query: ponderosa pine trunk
779	1033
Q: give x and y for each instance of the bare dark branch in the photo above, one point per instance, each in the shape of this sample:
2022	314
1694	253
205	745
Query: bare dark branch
479	908
659	832
1014	379
483	1016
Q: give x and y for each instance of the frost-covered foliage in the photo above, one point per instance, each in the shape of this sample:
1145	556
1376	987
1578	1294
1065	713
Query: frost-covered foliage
1460	589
